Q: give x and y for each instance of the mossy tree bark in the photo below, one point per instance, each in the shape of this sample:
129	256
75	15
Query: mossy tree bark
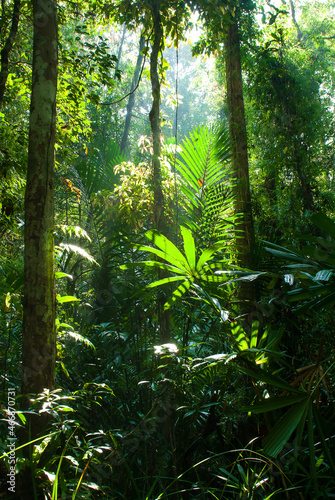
39	335
238	134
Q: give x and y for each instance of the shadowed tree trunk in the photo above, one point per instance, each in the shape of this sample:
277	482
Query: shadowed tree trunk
39	336
154	116
238	134
164	324
7	48
159	216
131	100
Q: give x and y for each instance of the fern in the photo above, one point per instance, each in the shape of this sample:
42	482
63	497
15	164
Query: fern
206	182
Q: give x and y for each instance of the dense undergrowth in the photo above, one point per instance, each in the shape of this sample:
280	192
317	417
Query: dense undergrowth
233	406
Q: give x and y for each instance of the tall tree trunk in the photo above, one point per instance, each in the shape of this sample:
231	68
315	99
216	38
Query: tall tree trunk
131	100
238	134
7	48
39	336
159	216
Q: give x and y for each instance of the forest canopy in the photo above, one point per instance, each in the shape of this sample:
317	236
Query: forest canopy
167	235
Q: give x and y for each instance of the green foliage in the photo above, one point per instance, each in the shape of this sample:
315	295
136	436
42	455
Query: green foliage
186	268
311	277
206	182
289	124
229	407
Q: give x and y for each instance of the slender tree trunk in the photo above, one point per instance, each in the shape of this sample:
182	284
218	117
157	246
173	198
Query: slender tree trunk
300	36
39	337
308	199
238	134
120	49
131	100
7	48
154	116
159	216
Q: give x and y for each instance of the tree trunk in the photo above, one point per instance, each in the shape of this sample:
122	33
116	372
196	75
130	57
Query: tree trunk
39	336
7	48
159	216
308	199
131	100
120	49
238	134
300	36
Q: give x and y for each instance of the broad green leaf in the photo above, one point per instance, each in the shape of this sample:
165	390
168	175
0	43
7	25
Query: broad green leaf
311	291
66	298
319	255
254	334
167	247
179	292
168	257
325	223
275	403
317	303
21	416
78	250
166	280
323	275
208	254
59	274
189	246
153	263
80	338
63	325
289	255
275	441
259	374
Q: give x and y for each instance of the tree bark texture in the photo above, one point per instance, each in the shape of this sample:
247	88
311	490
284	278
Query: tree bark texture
154	116
131	100
238	134
39	336
7	48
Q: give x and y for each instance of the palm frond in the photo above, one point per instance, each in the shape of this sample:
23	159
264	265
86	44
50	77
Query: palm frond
206	181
